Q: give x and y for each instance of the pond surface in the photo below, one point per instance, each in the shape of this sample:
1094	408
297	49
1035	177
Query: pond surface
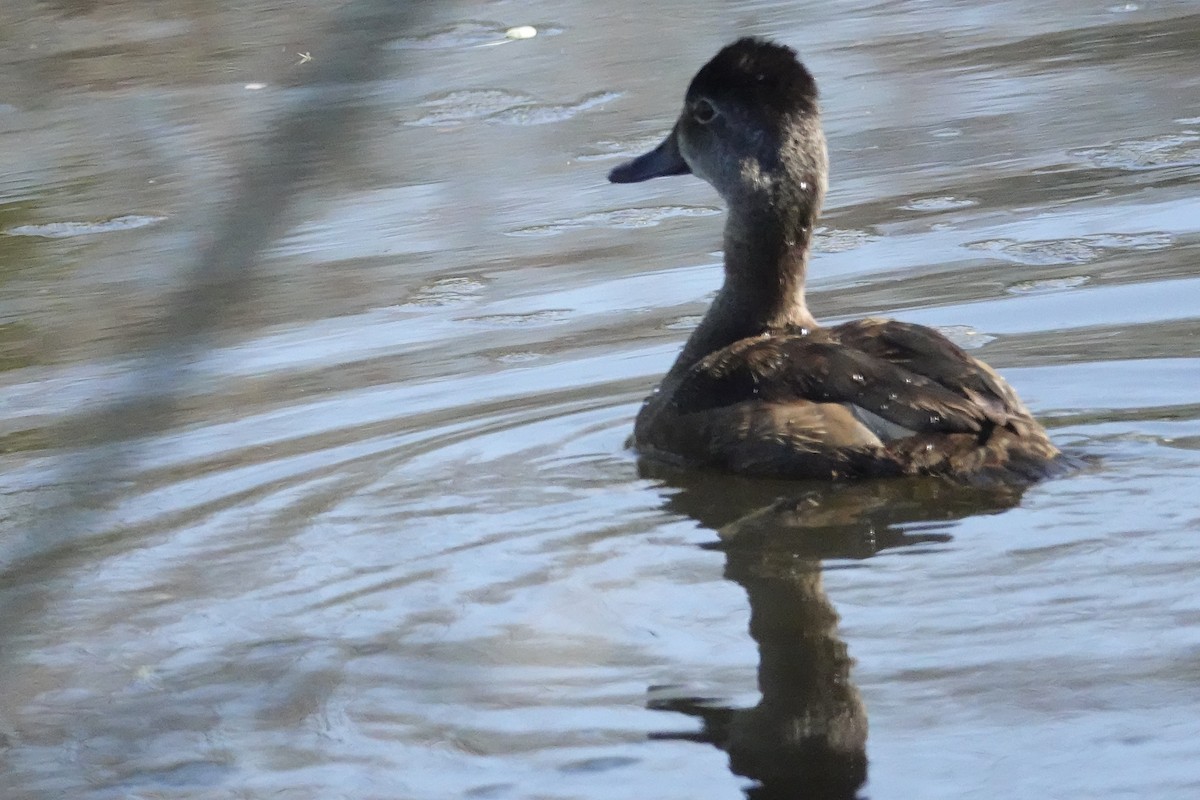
354	518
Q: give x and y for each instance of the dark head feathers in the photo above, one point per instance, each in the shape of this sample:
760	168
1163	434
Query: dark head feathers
760	74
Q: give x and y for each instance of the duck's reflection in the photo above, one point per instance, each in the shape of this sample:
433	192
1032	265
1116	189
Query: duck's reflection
807	736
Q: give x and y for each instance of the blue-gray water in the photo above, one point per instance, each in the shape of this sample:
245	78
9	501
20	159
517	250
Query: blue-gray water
386	542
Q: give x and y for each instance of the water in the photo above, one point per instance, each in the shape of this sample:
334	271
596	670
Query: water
384	540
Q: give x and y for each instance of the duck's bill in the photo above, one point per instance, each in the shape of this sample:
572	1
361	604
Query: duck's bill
661	161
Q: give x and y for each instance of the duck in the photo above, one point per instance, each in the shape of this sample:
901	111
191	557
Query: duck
760	388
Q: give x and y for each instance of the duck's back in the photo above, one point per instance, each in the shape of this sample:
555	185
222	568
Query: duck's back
867	398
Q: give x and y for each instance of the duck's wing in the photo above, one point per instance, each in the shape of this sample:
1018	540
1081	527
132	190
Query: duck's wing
928	353
852	368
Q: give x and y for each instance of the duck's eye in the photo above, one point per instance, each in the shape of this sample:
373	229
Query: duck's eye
703	111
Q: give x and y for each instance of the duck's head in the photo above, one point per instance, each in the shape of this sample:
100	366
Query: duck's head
749	126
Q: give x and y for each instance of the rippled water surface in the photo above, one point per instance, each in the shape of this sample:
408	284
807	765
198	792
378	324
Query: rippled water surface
353	517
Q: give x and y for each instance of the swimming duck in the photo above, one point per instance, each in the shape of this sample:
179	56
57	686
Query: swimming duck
760	388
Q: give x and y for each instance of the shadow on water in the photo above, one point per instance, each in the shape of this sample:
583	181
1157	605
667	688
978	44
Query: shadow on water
807	736
100	448
100	451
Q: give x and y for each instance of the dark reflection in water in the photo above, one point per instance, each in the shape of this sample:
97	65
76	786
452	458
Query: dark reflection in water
807	736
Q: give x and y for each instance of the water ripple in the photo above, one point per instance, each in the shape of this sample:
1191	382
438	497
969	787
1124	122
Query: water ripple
66	230
1180	149
939	203
502	107
643	217
1078	250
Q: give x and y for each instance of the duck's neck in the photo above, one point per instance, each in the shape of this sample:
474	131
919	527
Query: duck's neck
766	261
